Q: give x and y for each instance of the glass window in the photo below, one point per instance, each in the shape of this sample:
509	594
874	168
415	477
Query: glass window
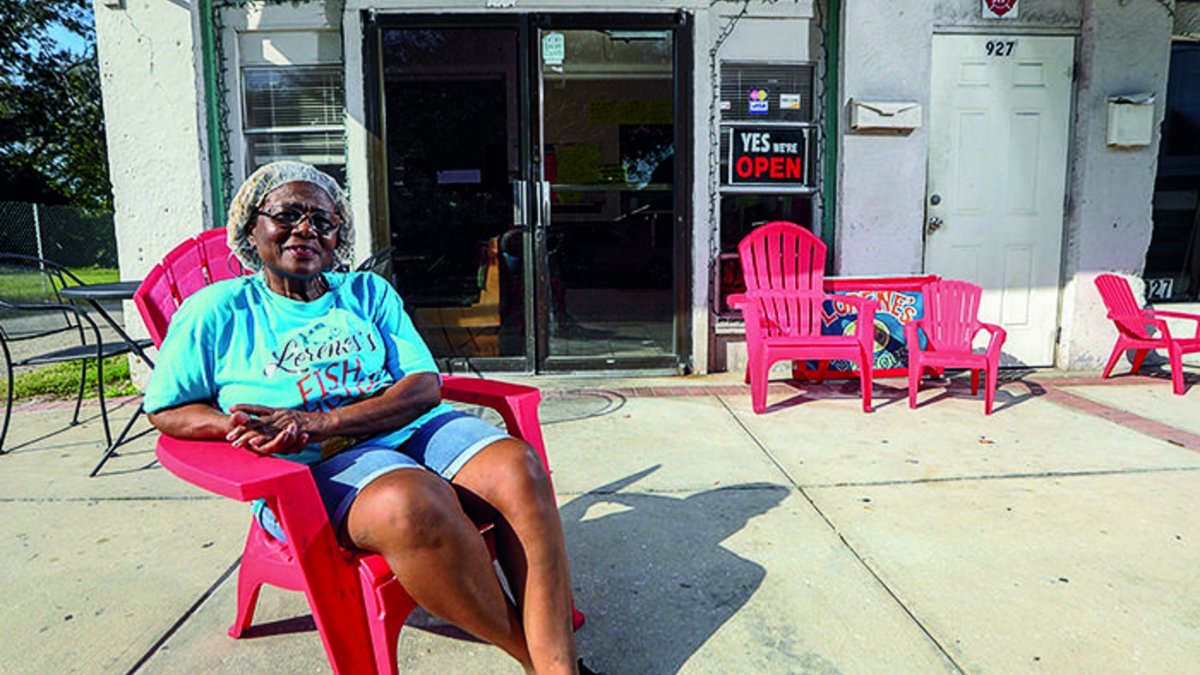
1173	260
766	92
769	132
295	112
741	213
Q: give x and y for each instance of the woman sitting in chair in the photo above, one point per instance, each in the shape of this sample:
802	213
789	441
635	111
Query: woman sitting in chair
326	369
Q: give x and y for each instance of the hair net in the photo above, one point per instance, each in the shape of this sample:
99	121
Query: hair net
268	177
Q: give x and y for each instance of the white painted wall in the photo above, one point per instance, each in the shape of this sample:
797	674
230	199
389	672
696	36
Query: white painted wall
153	118
1124	48
153	115
881	182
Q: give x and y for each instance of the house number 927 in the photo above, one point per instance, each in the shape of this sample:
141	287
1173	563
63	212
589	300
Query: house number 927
1000	47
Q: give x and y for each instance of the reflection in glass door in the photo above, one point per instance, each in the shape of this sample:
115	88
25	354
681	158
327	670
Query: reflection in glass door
608	240
531	187
450	101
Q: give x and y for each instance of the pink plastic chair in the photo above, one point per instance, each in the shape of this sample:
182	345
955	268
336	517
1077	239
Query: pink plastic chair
1133	329
950	322
784	268
190	266
357	604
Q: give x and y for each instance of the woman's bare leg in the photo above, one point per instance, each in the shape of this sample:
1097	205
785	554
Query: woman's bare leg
509	477
413	518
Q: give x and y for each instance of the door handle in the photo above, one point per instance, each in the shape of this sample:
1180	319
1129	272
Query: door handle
935	224
520	200
543	220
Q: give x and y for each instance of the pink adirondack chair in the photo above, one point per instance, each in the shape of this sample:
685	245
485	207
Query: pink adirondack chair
950	323
1133	329
784	268
357	604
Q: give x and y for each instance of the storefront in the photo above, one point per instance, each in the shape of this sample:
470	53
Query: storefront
563	185
543	177
537	177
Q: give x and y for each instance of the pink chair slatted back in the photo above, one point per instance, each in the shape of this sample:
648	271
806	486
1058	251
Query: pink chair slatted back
790	313
156	302
185	266
951	315
1123	308
218	259
190	266
782	256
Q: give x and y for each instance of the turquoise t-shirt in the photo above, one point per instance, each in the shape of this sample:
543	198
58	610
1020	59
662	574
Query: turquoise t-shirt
237	341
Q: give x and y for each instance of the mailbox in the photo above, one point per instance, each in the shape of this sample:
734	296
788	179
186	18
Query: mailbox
1131	120
884	116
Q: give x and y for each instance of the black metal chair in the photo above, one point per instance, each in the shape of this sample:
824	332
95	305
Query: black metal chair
378	263
32	309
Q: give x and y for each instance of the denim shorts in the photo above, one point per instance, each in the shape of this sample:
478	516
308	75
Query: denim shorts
442	445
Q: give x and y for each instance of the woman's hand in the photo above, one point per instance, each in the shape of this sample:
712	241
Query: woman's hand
270	431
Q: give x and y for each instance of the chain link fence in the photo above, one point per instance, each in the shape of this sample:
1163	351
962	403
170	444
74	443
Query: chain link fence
69	236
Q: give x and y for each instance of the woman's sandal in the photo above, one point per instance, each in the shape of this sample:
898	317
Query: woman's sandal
584	670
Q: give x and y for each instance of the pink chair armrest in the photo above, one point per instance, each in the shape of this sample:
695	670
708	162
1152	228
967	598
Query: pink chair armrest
516	403
332	586
736	300
998	336
223	469
912	337
866	317
483	392
1186	316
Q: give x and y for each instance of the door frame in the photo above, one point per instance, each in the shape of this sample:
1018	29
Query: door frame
1068	168
680	24
529	137
375	121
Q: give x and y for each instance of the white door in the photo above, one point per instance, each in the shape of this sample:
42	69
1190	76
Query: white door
998	127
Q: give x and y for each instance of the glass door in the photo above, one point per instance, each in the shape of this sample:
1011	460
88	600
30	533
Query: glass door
608	243
531	187
453	133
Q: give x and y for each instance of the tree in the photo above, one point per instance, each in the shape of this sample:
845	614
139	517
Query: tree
51	119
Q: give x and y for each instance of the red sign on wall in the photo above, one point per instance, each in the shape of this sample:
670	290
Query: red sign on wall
768	156
1000	9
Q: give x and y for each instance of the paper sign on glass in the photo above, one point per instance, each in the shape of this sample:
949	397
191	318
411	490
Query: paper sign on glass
554	47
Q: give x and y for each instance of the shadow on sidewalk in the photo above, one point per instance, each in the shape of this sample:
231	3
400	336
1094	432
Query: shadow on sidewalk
650	571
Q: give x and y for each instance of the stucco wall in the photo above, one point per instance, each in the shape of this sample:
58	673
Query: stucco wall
1124	48
881	182
881	186
152	114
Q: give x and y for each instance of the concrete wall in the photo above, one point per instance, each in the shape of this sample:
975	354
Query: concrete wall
1124	48
881	180
881	183
153	114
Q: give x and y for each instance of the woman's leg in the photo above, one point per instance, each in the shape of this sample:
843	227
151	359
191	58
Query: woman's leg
413	518
508	476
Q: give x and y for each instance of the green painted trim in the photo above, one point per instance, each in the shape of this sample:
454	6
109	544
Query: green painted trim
212	115
830	123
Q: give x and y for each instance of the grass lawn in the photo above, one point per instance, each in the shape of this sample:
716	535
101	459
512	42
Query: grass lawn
61	380
29	284
96	275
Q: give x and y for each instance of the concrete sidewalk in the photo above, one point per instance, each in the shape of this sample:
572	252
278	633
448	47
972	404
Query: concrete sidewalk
1057	535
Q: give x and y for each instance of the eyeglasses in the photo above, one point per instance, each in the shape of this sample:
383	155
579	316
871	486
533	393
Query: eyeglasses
322	222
